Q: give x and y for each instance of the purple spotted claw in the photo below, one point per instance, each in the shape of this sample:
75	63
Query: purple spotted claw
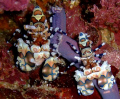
59	40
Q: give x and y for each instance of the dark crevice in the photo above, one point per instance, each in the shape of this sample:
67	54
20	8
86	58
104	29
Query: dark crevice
86	5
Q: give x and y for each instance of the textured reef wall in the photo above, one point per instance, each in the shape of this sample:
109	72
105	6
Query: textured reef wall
13	5
99	18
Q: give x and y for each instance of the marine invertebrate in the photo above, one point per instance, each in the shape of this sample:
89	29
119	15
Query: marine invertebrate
34	51
50	70
91	67
86	82
64	80
32	54
58	41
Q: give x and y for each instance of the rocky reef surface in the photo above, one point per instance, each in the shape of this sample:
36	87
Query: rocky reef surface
99	18
13	5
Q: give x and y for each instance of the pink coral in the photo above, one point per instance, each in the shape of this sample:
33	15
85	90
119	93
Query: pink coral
113	58
107	16
74	23
13	5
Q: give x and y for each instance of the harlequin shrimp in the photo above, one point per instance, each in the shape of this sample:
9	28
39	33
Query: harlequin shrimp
35	51
32	53
92	68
